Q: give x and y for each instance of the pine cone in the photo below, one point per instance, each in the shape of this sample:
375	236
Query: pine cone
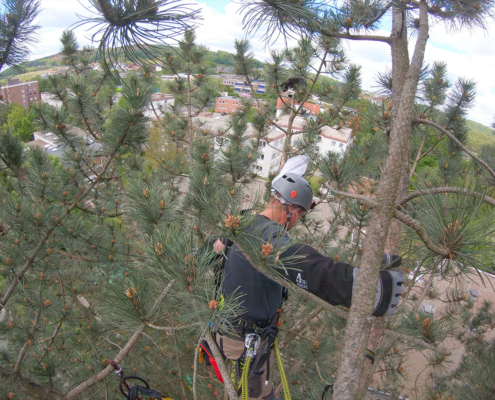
231	222
213	304
266	249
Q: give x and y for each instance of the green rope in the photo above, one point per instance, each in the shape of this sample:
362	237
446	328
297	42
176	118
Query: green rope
244	379
285	385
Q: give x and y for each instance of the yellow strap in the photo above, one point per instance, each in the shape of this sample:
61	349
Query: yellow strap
244	379
285	385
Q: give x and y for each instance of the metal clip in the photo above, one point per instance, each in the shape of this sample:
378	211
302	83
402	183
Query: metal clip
252	343
118	371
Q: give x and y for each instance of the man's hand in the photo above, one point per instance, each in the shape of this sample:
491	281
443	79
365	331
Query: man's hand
388	293
218	246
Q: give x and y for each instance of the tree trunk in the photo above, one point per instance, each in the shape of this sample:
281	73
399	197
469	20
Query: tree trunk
359	322
400	66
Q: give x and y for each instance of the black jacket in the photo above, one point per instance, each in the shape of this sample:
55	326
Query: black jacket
312	271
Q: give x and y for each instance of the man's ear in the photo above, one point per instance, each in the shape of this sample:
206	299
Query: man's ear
300	211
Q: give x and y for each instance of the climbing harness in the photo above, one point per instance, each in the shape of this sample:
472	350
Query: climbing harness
133	393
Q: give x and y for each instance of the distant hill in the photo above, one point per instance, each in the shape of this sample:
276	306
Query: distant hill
479	135
40	64
214	58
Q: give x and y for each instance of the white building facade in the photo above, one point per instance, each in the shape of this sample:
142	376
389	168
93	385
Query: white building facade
330	140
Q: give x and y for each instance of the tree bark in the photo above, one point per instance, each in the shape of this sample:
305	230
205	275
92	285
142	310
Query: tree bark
400	66
359	322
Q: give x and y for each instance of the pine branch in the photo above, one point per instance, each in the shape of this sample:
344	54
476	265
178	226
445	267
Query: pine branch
23	270
29	342
440	190
30	260
382	12
74	393
342	35
402	217
300	326
458	143
172	328
30	388
418	228
420	157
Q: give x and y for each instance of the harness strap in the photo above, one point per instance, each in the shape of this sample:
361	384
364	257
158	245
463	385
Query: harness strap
245	380
213	363
283	378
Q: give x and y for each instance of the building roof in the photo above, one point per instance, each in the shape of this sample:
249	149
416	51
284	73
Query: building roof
228	97
18	84
49	146
341	135
297	124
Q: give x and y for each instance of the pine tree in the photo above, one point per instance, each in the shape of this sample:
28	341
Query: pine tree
17	30
405	121
103	256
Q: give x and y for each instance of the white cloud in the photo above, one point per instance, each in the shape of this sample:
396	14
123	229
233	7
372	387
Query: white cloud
467	54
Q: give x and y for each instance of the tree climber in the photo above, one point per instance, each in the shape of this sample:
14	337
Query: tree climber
291	197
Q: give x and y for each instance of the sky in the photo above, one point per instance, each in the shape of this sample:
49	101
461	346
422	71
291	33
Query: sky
470	54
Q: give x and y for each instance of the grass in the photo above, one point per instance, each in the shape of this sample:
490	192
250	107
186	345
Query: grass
26	77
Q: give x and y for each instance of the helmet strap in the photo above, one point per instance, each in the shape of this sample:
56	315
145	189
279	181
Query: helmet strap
289	216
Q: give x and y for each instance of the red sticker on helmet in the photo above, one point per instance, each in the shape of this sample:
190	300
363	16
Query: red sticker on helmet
293	194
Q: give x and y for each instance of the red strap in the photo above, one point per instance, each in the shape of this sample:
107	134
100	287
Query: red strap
213	364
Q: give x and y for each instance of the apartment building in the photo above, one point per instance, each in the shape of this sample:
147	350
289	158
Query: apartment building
23	93
230	79
283	103
227	104
330	139
244	87
239	84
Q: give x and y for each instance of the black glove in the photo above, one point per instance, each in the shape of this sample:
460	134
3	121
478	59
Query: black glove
388	292
391	262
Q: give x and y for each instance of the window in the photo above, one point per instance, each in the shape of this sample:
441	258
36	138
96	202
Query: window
262	143
36	98
22	87
341	145
317	149
261	157
23	101
22	91
333	142
25	106
23	96
30	99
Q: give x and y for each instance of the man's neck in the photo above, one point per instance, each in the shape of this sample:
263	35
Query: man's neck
275	215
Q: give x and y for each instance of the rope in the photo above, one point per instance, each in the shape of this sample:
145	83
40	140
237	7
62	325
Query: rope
285	384
244	379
